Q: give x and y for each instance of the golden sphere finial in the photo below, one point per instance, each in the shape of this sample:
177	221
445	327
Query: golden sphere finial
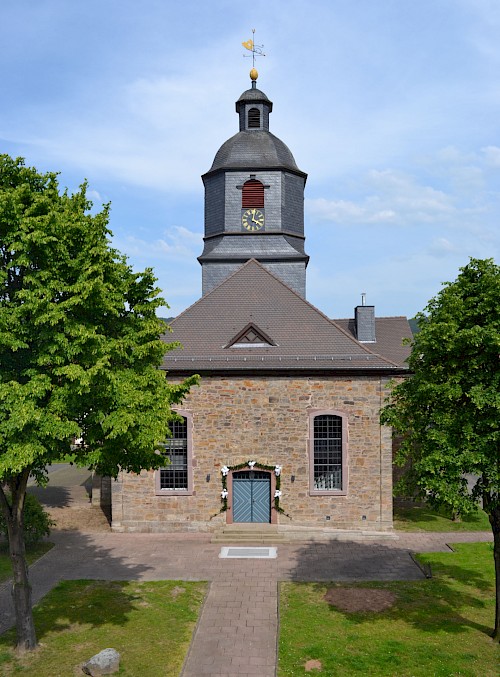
254	74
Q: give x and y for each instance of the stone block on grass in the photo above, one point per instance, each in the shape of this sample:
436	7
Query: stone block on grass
106	662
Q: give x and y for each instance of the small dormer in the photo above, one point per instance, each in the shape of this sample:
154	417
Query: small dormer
251	336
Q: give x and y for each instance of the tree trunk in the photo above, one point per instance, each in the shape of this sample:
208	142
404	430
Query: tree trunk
494	517
21	588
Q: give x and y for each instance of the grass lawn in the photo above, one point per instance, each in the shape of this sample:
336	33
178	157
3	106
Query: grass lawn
437	627
149	624
32	554
422	518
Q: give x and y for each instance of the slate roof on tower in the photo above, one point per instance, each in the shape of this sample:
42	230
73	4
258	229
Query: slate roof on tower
253	322
254	150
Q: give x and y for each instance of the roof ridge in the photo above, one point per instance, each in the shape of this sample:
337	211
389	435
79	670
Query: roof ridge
217	286
345	333
377	317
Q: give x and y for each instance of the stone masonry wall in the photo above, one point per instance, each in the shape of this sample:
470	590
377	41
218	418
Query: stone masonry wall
266	419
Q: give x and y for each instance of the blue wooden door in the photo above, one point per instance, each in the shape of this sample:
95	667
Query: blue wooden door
251	496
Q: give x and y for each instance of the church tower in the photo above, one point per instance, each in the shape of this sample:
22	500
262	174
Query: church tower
254	201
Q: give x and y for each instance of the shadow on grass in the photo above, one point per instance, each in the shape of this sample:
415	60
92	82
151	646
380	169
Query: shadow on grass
425	518
84	603
417	514
75	557
435	605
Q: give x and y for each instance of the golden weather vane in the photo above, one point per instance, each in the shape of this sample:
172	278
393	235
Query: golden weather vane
256	51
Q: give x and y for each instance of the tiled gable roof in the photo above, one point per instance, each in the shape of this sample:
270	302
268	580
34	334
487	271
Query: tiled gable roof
305	338
390	333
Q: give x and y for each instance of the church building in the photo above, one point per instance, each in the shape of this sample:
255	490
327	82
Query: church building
283	428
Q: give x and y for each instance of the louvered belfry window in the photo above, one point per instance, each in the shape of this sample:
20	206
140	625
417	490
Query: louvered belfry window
254	118
252	194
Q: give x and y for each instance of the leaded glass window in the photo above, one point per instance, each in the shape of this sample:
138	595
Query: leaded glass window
174	477
327	450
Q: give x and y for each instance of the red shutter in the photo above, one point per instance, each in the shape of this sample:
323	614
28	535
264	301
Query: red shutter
253	194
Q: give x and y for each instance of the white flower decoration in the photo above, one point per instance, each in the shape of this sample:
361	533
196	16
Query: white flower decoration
277	493
224	470
224	493
251	464
277	470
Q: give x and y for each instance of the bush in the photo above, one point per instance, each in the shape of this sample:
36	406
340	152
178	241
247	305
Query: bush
37	522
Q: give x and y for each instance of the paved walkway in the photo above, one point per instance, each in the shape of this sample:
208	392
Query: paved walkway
237	630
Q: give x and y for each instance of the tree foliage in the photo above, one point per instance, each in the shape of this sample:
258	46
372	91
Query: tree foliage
80	345
37	521
448	412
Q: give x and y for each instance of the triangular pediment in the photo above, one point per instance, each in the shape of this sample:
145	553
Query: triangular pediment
250	336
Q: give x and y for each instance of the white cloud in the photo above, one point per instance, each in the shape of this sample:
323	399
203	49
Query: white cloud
178	243
94	196
492	155
392	110
441	247
153	131
389	197
396	284
174	263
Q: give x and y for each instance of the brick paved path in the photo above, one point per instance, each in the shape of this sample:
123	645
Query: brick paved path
237	631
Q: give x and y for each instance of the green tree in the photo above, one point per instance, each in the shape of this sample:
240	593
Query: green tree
448	410
80	351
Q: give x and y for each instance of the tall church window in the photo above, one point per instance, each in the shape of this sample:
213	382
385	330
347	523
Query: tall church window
176	476
254	118
328	448
252	194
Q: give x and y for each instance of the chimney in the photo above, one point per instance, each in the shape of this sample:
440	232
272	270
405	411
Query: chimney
364	321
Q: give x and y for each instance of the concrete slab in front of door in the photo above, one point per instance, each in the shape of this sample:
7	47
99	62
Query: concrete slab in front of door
232	552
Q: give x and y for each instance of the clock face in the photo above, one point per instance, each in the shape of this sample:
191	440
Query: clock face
252	219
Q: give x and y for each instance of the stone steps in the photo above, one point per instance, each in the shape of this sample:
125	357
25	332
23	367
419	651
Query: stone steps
249	533
271	534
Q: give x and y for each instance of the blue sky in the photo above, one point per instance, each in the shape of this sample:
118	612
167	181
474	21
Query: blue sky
391	106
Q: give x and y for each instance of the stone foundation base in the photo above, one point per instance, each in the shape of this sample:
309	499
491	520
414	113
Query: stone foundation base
288	532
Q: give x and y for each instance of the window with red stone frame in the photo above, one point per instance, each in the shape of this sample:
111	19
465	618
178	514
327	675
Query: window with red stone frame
176	477
328	453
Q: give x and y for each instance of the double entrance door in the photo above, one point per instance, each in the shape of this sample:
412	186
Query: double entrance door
251	496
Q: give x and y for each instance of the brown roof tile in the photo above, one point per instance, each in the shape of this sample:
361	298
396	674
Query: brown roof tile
305	338
389	332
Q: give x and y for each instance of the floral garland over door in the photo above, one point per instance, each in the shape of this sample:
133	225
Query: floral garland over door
226	469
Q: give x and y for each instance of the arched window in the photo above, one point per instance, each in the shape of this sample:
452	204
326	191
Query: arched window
328	447
252	194
176	477
254	118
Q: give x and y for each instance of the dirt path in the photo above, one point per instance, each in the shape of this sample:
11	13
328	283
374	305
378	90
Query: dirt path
67	499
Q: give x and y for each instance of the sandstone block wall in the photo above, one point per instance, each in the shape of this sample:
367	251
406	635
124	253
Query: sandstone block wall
266	419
